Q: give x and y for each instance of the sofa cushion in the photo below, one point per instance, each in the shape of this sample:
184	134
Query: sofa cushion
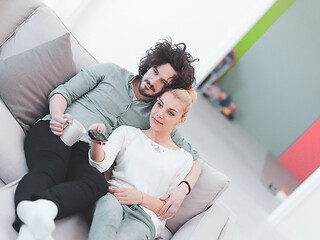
210	185
34	31
12	159
74	227
27	79
12	16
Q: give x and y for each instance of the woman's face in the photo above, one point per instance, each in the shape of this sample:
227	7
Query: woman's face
167	113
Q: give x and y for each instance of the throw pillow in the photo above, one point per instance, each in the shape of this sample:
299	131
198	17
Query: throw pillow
27	79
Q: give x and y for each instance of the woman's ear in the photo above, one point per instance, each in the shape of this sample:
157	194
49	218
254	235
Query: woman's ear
182	120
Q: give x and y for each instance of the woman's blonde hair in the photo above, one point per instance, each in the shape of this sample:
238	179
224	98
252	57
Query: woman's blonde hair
187	97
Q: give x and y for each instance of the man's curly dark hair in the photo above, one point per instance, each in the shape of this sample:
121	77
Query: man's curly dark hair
182	62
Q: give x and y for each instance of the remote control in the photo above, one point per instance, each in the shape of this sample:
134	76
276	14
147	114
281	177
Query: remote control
95	135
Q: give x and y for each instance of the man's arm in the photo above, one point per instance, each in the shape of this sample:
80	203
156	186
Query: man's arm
57	107
181	142
83	82
62	96
176	196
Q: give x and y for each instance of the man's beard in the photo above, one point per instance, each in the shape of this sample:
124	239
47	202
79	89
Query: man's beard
143	91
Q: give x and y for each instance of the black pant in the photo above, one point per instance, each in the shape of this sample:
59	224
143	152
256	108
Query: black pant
58	173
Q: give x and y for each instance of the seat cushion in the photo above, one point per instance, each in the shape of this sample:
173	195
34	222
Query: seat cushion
37	72
44	25
210	185
12	14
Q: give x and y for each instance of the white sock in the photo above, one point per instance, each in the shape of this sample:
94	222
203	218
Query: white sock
25	233
38	216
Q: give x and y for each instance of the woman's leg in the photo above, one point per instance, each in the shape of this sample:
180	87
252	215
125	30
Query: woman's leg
47	158
107	218
136	225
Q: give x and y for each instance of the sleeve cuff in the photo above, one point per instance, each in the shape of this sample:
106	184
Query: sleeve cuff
97	165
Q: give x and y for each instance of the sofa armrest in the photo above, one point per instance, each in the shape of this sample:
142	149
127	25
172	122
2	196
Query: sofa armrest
216	223
12	158
209	187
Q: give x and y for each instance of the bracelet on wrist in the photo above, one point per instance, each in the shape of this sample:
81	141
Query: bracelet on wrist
186	182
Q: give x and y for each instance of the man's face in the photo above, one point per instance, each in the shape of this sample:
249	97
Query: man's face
156	80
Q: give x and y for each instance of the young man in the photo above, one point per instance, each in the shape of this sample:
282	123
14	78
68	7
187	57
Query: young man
60	181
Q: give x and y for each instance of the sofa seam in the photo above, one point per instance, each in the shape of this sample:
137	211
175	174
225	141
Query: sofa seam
18	27
10	184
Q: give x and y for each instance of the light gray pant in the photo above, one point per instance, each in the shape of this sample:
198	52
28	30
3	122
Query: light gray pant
115	221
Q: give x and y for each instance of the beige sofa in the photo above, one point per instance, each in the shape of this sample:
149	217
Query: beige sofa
28	45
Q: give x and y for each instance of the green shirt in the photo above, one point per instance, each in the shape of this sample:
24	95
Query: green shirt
104	94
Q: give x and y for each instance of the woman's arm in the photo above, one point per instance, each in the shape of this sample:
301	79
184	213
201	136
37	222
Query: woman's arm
102	155
131	196
97	153
176	196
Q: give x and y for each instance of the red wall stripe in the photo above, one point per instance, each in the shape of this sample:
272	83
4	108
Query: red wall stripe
303	157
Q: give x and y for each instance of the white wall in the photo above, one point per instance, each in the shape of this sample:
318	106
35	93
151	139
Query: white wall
121	31
298	217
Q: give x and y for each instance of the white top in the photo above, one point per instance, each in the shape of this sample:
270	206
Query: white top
144	165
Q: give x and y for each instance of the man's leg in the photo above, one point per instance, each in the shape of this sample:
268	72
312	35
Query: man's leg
83	186
47	158
107	218
136	225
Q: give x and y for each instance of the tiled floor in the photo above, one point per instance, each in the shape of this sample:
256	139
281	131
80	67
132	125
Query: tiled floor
226	146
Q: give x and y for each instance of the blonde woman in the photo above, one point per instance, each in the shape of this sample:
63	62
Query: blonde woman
147	165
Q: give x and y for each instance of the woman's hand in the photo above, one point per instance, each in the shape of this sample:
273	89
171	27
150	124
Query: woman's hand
127	196
173	200
96	151
100	128
58	122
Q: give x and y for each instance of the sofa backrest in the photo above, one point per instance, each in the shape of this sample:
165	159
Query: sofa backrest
23	26
41	26
12	161
13	13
